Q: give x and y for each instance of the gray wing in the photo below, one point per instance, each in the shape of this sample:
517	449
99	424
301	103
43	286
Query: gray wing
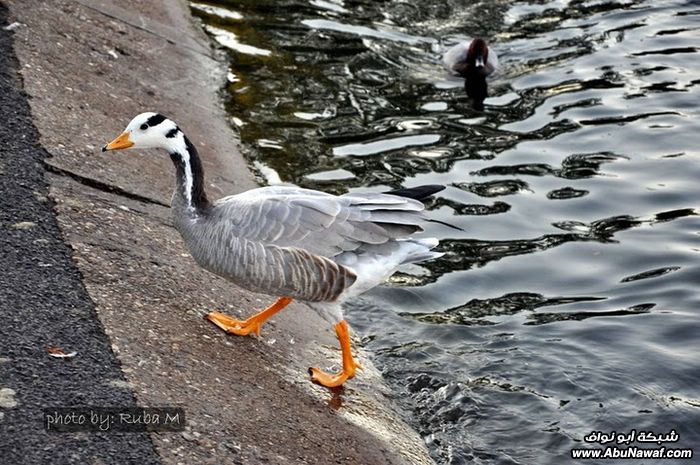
455	55
320	223
281	271
492	61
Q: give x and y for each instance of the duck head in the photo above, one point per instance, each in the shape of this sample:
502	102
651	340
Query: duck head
478	55
146	131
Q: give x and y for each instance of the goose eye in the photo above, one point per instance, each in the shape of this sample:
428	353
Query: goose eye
144	126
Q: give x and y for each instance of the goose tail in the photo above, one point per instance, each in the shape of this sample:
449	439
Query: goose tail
421	250
375	263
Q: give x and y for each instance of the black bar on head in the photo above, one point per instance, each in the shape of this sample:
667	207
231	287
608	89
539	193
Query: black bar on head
155	120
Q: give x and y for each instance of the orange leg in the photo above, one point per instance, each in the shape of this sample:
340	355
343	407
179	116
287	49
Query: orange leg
349	364
252	324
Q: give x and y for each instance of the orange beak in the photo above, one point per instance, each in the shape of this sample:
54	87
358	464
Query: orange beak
121	142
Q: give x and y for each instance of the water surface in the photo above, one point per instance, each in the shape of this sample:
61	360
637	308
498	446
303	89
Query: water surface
570	301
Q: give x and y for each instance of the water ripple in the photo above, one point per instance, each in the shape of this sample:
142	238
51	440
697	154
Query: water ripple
651	274
576	188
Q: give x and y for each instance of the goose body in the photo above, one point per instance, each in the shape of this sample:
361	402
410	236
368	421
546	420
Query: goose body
474	61
301	243
287	241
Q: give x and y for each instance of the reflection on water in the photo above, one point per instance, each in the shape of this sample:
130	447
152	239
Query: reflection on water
569	303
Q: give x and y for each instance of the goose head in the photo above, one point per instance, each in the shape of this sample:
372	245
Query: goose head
147	131
152	130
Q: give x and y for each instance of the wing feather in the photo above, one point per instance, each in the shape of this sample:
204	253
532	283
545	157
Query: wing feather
282	271
320	223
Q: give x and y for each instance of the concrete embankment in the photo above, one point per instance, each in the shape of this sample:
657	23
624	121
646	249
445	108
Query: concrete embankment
89	67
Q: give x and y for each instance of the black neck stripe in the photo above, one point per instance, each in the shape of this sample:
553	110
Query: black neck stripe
155	120
173	132
198	195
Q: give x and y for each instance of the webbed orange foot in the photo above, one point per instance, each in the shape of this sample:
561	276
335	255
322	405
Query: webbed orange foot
252	324
349	364
319	376
234	326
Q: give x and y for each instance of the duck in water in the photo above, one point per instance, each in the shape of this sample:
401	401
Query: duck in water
474	61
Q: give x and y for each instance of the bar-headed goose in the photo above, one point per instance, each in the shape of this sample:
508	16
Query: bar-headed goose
473	61
286	241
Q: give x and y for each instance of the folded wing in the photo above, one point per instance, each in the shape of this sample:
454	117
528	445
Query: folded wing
322	224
